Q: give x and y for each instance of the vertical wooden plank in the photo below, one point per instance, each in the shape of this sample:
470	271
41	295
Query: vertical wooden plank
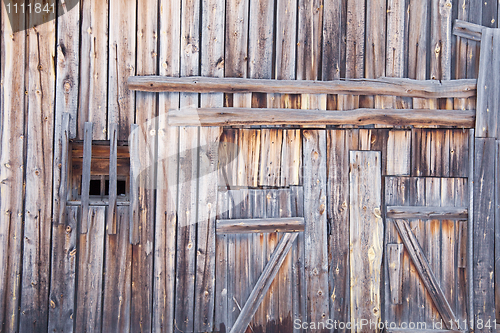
232	241
487	119
248	157
113	180
146	109
90	272
355	49
395	258
122	48
285	280
260	40
38	198
135	167
339	143
298	261
459	153
398	153
87	159
366	236
13	104
497	230
291	159
167	181
61	170
461	198
92	103
118	276
229	153
270	159
221	268
63	269
316	251
440	60
489	12
332	45
260	248
484	237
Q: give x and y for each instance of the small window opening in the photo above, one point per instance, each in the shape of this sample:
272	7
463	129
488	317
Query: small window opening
95	187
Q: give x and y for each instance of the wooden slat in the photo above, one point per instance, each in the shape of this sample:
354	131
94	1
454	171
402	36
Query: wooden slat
366	235
285	274
122	49
221	268
316	247
487	122
93	79
332	40
427	212
229	152
255	116
113	179
263	283
135	166
38	167
484	230
497	229
237	226
395	258
270	157
291	158
90	273
398	157
441	28
424	270
63	269
249	157
339	142
62	171
87	159
117	277
381	86
468	30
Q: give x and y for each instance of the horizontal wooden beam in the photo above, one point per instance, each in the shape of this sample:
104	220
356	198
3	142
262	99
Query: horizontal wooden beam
427	213
96	203
241	226
384	86
468	30
254	116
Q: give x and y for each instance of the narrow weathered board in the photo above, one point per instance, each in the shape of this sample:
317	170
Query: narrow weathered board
487	119
87	158
318	118
249	157
90	273
315	234
260	40
38	167
398	157
221	269
497	229
61	171
229	153
63	270
441	26
263	283
122	55
339	142
291	158
93	78
332	40
113	180
355	49
366	235
135	165
484	231
118	276
299	293
241	226
270	158
395	258
285	274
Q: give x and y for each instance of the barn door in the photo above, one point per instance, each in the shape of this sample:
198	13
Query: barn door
425	249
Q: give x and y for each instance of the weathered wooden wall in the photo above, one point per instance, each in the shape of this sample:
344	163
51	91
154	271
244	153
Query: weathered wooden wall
79	62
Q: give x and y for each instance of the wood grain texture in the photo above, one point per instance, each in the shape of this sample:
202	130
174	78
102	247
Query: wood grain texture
221	267
358	117
484	226
315	235
383	86
441	27
122	55
366	235
497	229
62	171
113	178
260	41
63	269
270	157
118	276
135	167
427	212
236	226
395	257
93	78
291	158
87	158
90	273
468	30
249	157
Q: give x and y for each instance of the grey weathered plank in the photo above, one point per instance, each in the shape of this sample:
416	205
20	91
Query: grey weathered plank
260	41
489	12
398	156
38	180
236	226
113	178
90	273
395	258
221	268
249	157
270	157
87	158
381	86
423	267
484	231
285	275
291	158
366	235
122	55
118	277
468	30
257	116
459	153
135	166
316	247
497	229
229	151
427	212
63	269
93	78
488	100
339	142
61	172
264	282
441	27
332	40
